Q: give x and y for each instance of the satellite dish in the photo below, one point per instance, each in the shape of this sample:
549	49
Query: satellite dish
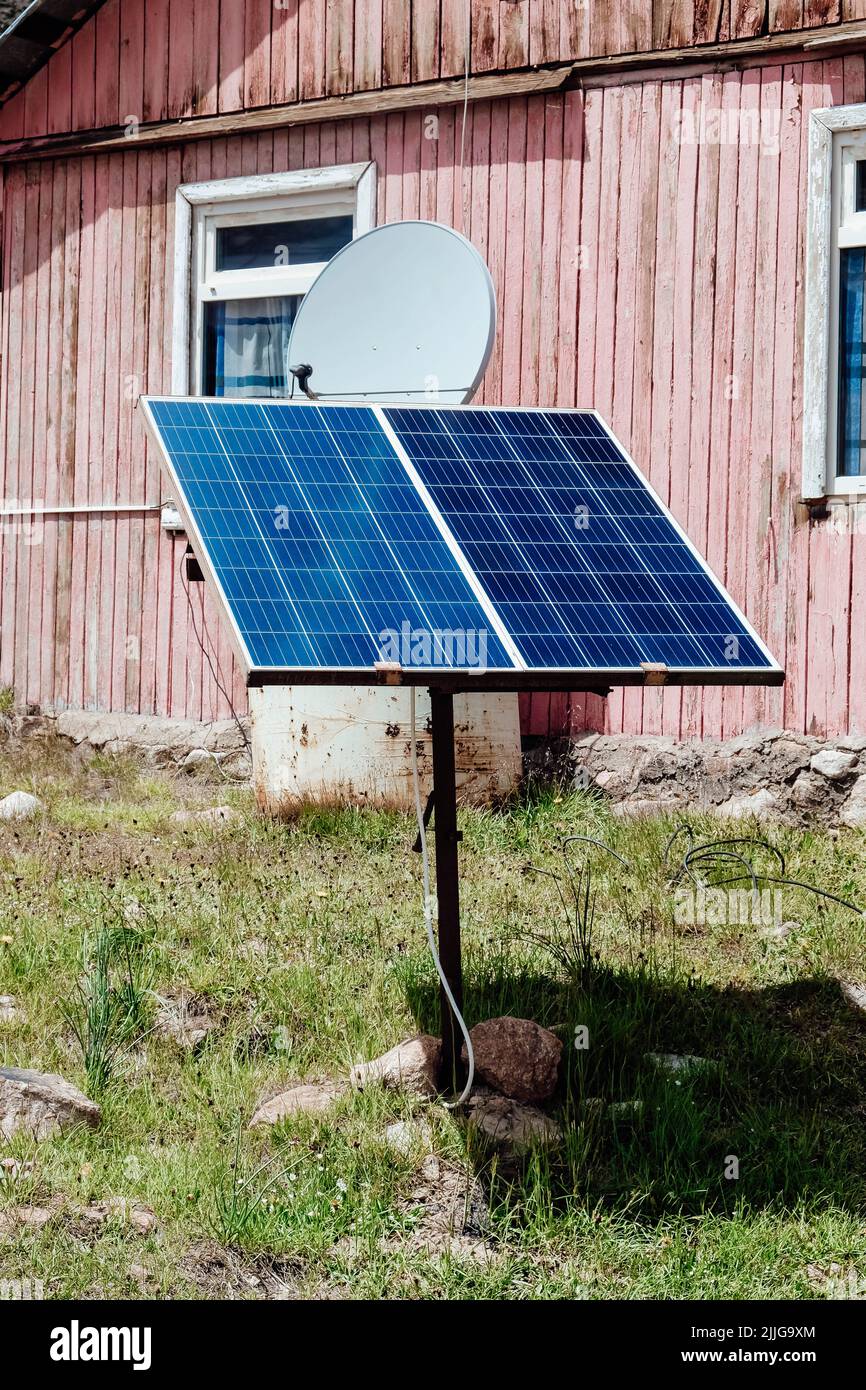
406	312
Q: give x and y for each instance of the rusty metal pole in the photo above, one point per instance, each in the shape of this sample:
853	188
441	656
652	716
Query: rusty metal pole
447	881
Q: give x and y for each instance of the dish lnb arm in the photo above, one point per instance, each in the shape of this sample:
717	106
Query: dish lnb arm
302	373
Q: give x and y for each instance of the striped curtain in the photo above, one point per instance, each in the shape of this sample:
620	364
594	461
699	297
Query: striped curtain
247	346
852	435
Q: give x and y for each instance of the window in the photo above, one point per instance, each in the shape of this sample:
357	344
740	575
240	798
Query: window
248	250
834	413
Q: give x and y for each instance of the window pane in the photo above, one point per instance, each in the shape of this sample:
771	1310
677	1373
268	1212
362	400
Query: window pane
860	186
267	244
852	435
246	344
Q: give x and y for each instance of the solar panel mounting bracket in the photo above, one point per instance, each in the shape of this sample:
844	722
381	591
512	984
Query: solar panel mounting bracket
656	672
389	672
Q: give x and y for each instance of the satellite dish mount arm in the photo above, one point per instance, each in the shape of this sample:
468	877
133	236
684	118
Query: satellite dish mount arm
302	373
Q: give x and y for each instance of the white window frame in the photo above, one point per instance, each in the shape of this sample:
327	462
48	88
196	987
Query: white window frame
837	137
200	208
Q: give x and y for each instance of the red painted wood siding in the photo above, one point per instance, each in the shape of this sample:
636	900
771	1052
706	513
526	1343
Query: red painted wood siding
172	65
659	281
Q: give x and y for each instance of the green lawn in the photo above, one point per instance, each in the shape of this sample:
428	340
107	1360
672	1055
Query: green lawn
303	943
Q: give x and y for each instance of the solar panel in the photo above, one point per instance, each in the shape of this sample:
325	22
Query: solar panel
516	547
322	550
583	563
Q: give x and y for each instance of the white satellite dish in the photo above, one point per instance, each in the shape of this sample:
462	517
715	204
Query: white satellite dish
407	312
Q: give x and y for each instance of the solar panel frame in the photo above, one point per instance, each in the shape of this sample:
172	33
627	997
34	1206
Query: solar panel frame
466	679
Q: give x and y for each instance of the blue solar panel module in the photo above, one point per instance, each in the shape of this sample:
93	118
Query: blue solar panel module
320	547
496	548
586	567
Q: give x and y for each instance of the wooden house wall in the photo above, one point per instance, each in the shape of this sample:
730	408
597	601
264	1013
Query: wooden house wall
657	280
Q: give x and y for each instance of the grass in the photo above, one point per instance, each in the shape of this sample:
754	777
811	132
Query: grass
303	942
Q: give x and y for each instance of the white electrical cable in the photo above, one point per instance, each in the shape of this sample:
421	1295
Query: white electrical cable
429	909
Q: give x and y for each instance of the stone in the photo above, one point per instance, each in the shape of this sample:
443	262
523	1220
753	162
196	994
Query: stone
760	803
833	764
516	1057
212	815
8	1008
808	789
412	1066
854	743
237	765
638	807
200	760
854	992
185	1021
20	806
42	1104
130	1212
853	812
405	1137
312	1099
512	1126
679	1063
31	1218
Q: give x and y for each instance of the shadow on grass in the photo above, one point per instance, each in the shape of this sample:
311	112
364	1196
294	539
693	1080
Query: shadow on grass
776	1120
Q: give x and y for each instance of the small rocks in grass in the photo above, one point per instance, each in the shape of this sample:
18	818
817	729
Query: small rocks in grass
404	1137
513	1127
517	1057
678	1064
132	1213
20	806
42	1104
13	1220
854	992
185	1020
412	1066
8	1008
312	1099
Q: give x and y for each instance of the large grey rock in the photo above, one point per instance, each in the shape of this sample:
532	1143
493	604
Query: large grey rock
517	1057
200	761
411	1066
760	804
42	1104
300	1100
513	1127
809	789
8	1008
833	764
20	806
854	811
854	993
